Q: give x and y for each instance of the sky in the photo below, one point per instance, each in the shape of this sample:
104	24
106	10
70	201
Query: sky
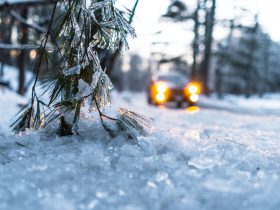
147	22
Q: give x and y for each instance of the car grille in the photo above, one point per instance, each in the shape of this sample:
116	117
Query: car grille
177	92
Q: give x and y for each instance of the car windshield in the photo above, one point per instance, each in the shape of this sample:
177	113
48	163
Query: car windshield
174	79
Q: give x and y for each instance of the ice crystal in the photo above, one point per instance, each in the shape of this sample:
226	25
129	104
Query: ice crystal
72	71
103	90
98	5
84	89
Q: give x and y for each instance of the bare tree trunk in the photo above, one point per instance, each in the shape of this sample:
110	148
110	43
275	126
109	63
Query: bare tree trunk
195	44
222	61
23	39
266	57
5	37
209	25
250	74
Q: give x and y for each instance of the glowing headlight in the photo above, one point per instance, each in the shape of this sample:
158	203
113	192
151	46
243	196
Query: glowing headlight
160	97
194	98
193	89
161	88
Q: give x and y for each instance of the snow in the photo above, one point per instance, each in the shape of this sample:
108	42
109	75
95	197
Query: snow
9	106
11	75
267	105
193	158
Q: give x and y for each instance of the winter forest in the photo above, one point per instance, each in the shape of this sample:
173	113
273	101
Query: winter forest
139	105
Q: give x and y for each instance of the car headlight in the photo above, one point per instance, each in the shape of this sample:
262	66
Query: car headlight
194	98
161	87
193	88
160	92
160	97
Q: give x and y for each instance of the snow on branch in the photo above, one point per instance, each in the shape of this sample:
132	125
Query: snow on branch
4	46
78	35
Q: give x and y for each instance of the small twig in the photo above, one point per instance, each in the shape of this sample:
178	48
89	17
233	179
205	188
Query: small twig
206	132
110	118
244	145
22	145
101	115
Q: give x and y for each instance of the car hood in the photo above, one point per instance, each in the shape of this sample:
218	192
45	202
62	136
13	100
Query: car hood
172	85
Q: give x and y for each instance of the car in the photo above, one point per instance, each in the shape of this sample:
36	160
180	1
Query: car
173	88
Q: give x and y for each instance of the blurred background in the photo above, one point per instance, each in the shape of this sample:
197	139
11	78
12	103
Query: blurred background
229	46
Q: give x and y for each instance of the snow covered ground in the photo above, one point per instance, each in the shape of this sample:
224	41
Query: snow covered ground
193	158
269	104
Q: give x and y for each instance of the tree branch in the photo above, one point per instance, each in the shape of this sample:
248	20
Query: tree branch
25	22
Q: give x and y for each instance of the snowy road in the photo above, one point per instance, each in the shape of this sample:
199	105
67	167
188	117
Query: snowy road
197	159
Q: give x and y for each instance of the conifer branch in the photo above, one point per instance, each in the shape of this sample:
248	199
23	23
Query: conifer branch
72	72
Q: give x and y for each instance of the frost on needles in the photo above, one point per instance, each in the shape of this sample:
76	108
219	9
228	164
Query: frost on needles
80	34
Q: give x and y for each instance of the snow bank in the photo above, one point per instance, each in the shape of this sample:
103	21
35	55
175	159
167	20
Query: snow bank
206	159
268	104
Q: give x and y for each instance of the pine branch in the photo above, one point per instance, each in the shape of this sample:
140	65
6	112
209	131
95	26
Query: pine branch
71	73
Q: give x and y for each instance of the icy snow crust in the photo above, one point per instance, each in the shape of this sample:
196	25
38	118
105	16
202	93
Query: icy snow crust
197	160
